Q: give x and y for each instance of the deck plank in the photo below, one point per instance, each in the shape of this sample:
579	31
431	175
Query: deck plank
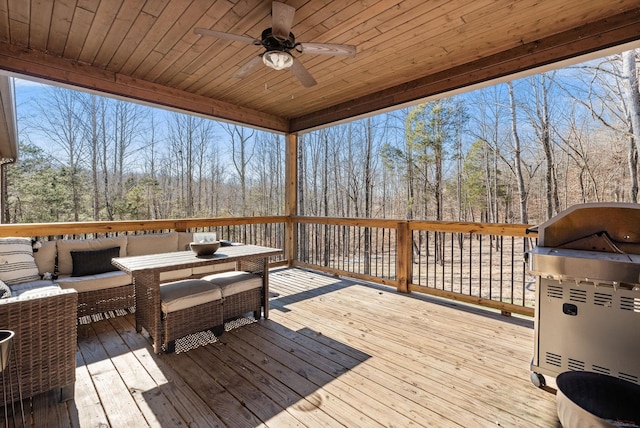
187	402
119	405
257	402
334	353
274	387
232	412
299	381
460	370
382	398
154	406
88	409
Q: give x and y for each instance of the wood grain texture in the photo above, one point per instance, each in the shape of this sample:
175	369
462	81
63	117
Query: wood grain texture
334	353
407	50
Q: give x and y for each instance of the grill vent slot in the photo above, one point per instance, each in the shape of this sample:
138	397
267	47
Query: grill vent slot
600	369
576	295
555	292
603	299
574	364
628	377
554	359
630	303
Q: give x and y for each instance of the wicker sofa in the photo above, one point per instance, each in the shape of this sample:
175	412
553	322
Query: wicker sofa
84	265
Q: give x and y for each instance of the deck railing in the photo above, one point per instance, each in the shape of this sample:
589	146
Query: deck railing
360	248
471	262
266	231
475	263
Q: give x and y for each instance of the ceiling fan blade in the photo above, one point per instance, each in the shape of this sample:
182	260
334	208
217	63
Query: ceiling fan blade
226	36
281	20
302	74
248	68
327	49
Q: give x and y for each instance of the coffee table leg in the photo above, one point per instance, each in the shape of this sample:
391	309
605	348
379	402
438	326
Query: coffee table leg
265	279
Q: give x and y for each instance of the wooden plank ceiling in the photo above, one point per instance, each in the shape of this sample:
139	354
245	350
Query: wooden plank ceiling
406	50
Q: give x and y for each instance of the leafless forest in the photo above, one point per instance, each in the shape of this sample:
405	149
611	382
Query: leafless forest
516	152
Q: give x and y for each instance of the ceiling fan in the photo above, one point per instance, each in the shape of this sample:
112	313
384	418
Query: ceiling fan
279	42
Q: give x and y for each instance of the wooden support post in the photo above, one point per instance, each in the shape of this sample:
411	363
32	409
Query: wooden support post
291	196
404	257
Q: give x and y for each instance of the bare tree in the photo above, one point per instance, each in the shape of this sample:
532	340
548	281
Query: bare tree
242	151
62	125
189	137
128	118
523	194
540	118
611	97
632	95
94	134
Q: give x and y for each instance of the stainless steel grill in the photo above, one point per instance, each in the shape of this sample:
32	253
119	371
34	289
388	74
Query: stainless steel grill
587	317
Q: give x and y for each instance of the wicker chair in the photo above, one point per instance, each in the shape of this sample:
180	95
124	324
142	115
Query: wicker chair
189	306
45	344
241	292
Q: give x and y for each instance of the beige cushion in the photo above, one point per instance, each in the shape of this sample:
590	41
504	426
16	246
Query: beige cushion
187	293
95	282
218	267
184	239
172	275
65	246
16	261
152	243
46	257
235	282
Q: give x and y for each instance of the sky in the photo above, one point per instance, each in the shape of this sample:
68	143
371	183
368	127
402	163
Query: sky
28	92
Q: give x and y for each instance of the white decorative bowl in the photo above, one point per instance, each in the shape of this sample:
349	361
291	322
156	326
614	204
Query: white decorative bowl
204	248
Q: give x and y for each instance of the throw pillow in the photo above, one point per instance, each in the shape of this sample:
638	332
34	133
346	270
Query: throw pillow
5	291
16	261
65	246
94	262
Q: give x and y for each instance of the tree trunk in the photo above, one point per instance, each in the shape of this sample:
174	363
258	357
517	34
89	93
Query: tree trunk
368	190
325	191
630	84
302	231
522	192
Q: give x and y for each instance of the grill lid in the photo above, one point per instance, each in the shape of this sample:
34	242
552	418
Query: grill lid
597	243
610	226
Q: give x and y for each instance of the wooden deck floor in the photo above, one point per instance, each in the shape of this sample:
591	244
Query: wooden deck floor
334	353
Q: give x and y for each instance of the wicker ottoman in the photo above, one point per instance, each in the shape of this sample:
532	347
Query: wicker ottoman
241	292
190	306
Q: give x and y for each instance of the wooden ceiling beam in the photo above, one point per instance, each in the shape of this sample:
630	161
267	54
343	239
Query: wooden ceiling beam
616	30
40	65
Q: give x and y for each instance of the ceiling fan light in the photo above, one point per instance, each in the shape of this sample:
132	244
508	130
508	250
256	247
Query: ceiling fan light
278	60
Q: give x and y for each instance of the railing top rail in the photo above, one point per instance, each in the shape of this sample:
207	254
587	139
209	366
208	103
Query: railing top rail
506	229
70	228
340	221
66	228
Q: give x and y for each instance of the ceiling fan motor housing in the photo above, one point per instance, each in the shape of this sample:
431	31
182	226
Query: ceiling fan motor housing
271	43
